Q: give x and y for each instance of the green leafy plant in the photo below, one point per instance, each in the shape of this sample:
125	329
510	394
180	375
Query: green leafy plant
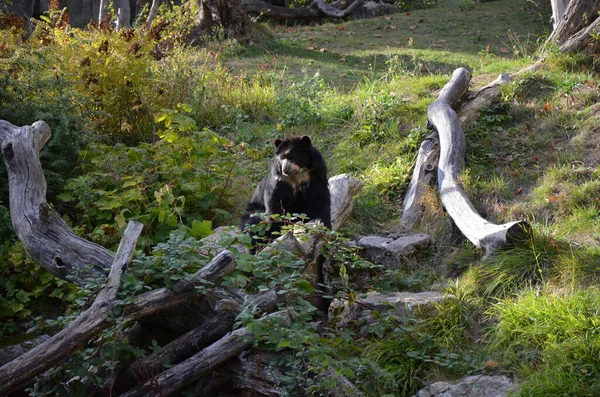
186	177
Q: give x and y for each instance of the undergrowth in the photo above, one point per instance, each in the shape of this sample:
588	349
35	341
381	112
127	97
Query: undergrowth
146	127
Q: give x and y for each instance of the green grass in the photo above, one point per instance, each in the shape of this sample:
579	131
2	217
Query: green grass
484	37
552	339
361	90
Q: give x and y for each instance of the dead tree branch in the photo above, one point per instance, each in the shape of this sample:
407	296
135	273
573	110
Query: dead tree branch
80	331
44	234
480	232
201	363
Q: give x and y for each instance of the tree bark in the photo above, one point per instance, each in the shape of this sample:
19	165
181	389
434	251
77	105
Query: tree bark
423	174
577	16
558	10
581	39
201	363
480	232
152	14
79	332
318	9
281	13
229	15
123	14
93	321
342	188
44	234
103	9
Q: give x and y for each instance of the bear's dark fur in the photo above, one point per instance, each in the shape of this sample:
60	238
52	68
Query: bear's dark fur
296	183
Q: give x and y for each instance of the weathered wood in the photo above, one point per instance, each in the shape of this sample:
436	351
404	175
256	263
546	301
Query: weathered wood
93	321
318	9
183	347
79	332
582	38
480	232
248	372
281	13
343	188
44	234
483	97
423	173
333	12
558	10
161	299
201	363
576	17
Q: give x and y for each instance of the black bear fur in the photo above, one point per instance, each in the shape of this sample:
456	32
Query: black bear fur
296	183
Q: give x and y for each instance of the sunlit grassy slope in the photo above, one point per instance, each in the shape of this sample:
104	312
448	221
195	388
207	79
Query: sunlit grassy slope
487	37
531	156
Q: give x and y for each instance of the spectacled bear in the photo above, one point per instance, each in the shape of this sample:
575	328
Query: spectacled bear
296	183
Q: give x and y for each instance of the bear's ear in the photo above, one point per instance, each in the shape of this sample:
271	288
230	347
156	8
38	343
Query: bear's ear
278	142
305	140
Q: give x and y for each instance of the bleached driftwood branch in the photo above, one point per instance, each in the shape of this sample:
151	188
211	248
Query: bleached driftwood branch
44	234
80	331
481	233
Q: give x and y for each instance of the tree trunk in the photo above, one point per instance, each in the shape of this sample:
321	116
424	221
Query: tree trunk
423	174
577	16
230	15
44	234
123	14
102	12
480	232
152	14
558	10
317	10
443	118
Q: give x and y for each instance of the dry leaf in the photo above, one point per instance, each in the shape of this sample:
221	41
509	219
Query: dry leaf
387	18
412	27
340	27
518	191
547	107
377	35
492	364
343	75
323	50
421	20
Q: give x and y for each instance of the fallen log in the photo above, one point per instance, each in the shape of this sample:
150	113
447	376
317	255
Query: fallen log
343	188
249	372
79	332
94	320
423	174
45	236
201	363
318	9
481	233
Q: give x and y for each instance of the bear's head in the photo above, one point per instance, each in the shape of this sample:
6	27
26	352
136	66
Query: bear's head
293	158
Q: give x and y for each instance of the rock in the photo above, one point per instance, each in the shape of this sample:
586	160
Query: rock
342	314
394	252
373	9
471	386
